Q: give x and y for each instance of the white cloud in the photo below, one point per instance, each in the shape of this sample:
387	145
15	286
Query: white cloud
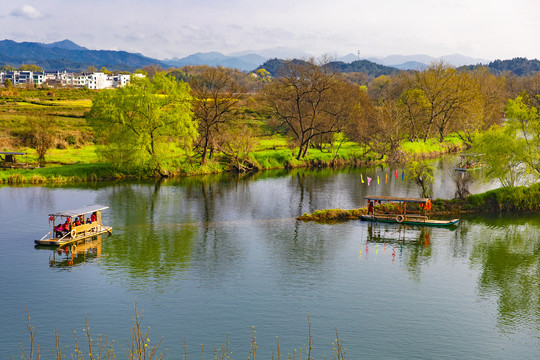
28	12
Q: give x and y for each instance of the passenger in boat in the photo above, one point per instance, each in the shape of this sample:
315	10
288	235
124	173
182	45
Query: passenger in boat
93	217
66	227
58	231
370	208
77	221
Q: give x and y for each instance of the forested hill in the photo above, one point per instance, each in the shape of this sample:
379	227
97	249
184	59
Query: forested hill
518	66
66	55
372	69
364	66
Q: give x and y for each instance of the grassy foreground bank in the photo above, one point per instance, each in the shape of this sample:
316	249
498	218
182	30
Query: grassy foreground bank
509	199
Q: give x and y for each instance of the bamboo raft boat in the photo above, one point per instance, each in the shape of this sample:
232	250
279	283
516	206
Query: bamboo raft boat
400	216
73	231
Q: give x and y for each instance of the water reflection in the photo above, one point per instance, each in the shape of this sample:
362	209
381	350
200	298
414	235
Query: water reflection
509	262
149	241
207	256
78	254
411	245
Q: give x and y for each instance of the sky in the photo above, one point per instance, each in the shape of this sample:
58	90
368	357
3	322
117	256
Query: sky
487	29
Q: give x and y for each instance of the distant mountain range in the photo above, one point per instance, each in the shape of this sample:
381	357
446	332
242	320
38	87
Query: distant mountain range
66	55
246	62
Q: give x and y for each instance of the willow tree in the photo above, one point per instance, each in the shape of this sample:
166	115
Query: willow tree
138	123
311	101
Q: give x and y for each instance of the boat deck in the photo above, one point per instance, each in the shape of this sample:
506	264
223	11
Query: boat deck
66	240
408	220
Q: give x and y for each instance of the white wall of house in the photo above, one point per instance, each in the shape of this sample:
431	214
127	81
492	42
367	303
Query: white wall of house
97	80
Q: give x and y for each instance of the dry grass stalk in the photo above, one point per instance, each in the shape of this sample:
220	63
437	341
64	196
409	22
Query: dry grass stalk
34	353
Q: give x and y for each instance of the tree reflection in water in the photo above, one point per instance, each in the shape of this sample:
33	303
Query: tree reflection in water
510	269
150	242
412	245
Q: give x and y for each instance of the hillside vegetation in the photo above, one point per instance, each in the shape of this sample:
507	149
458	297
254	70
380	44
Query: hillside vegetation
309	115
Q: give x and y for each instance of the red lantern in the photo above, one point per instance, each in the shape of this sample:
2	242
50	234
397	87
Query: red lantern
51	218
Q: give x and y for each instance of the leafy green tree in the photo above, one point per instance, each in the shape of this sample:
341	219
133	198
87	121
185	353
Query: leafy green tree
137	122
421	172
91	70
7	68
29	67
263	75
8	83
502	155
524	122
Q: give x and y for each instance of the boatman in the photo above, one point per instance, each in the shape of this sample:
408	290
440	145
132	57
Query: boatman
370	207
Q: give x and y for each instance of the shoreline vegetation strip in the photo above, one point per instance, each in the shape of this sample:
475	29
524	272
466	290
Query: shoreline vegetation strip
518	199
268	159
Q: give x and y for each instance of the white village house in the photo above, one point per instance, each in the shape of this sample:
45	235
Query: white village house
96	80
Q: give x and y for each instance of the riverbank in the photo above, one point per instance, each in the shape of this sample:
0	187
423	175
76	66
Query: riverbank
82	164
510	199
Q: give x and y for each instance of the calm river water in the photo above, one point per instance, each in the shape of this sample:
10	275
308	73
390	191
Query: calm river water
210	256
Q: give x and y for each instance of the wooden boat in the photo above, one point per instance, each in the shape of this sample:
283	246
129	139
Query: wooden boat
469	162
398	212
88	226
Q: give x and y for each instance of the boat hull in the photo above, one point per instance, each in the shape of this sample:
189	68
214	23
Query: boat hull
405	221
69	240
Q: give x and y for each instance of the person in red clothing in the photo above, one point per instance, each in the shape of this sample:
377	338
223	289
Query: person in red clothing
93	217
370	208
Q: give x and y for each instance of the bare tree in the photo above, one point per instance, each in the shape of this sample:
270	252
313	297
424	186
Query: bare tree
381	128
216	97
311	100
42	134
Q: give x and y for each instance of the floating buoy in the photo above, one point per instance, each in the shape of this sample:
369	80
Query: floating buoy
400	218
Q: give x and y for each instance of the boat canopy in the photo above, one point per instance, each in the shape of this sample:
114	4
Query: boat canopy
397	199
12	153
84	210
